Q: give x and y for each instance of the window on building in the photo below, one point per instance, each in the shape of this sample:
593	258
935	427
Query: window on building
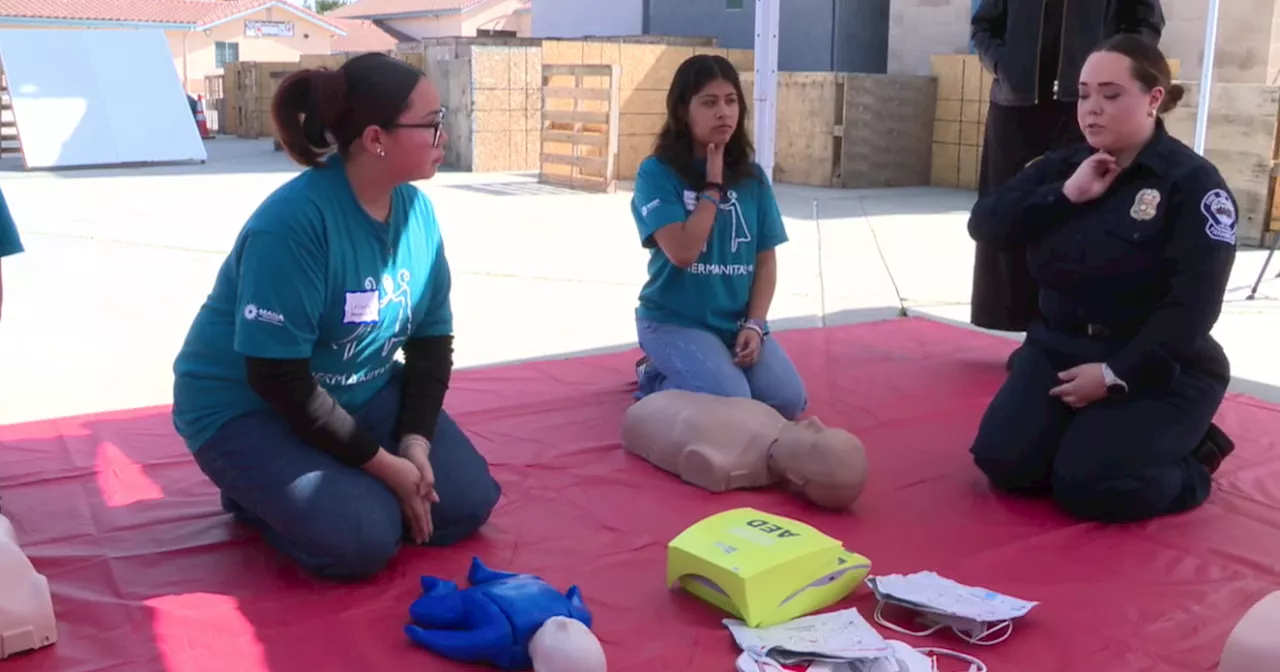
734	4
226	52
488	32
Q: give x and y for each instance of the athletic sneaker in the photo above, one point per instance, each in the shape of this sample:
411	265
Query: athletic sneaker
642	365
1214	448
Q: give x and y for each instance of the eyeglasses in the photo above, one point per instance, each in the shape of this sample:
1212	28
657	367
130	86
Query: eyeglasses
437	126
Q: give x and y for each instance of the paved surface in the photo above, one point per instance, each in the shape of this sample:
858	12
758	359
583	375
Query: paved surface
119	260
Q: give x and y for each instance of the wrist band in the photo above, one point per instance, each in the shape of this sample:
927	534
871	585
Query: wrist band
713	185
707	197
758	326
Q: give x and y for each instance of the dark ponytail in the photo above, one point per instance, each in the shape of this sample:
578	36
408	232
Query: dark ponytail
305	107
317	111
1148	65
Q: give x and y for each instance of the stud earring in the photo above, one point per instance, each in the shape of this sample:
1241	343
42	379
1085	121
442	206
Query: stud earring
1151	113
381	152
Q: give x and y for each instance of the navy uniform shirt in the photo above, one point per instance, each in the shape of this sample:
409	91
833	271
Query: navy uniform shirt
1146	264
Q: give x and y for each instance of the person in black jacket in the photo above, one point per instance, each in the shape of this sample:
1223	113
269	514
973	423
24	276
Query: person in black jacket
1035	49
1131	237
287	390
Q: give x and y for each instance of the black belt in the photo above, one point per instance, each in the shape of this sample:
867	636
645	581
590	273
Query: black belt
1090	330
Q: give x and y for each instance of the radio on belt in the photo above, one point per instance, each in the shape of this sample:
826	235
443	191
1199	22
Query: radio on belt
763	569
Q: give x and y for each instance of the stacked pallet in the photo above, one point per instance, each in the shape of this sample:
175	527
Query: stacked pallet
959	120
646	69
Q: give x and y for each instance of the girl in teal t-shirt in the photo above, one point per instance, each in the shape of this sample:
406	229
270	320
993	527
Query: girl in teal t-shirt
708	216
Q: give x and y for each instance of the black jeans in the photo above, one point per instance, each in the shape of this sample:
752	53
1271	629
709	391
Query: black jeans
1116	460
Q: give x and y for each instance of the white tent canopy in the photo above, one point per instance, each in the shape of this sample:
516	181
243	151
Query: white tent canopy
1206	74
97	97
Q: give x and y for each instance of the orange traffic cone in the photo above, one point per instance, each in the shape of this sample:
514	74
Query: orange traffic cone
201	123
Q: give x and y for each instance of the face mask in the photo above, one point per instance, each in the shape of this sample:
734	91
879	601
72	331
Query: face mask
973	632
904	658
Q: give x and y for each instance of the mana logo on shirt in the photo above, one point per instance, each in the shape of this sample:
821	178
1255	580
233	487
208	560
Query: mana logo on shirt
253	313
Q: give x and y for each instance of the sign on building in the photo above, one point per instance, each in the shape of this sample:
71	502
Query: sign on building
268	28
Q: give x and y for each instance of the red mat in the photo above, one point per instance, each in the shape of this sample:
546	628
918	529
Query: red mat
149	574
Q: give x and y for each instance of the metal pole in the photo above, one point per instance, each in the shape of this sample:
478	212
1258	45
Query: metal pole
822	274
766	85
1206	75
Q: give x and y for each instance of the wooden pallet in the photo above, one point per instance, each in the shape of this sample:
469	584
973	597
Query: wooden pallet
580	127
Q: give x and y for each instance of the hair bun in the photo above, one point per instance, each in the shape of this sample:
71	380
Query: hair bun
1172	97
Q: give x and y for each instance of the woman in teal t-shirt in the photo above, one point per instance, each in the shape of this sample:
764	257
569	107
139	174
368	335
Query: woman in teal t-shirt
707	214
287	388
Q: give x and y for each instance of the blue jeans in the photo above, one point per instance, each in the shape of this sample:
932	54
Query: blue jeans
336	521
685	358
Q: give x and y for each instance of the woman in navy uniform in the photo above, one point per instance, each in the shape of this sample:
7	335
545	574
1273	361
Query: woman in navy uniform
1132	236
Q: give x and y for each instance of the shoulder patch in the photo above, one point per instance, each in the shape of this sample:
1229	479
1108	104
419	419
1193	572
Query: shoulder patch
1220	216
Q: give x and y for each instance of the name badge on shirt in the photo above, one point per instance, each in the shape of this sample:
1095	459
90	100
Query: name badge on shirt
361	308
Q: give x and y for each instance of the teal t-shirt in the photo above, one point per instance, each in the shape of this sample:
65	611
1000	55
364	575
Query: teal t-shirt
10	242
713	293
313	276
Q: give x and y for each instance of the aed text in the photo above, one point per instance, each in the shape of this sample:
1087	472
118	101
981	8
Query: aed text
772	528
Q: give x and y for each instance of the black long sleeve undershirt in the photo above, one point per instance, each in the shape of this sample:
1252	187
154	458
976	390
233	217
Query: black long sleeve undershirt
316	417
311	412
428	366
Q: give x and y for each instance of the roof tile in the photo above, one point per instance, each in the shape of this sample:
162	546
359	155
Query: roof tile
190	12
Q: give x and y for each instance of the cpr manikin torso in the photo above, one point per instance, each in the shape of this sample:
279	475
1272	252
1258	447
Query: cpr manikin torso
26	609
727	443
1254	644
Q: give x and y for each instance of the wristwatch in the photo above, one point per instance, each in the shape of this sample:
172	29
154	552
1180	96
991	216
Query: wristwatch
1115	386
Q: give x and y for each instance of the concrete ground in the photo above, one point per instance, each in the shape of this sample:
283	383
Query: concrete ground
119	260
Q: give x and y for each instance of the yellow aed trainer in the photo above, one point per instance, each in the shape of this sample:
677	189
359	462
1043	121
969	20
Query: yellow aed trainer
763	569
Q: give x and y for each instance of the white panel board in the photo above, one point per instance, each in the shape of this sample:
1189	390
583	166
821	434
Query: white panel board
97	97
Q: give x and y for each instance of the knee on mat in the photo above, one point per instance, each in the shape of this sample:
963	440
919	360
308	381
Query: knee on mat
1106	500
1007	469
357	545
465	512
791	405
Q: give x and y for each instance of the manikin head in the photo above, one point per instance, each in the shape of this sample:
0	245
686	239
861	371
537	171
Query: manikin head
566	645
380	113
827	466
1125	85
1253	645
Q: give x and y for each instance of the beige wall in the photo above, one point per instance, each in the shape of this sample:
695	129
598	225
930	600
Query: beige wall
194	53
920	29
1248	48
429	26
493	15
1246	39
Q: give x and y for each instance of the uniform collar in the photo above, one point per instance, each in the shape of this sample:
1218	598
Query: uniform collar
1154	155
